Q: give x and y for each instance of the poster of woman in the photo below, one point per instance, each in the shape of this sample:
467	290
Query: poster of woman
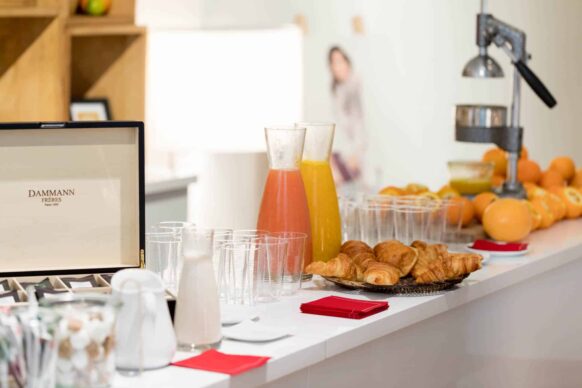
350	140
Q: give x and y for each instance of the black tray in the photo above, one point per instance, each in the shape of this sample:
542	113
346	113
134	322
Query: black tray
406	286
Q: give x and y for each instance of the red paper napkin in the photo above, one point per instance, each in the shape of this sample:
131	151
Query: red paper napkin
215	361
336	306
487	245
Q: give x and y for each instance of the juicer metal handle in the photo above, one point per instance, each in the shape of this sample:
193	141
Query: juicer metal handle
535	83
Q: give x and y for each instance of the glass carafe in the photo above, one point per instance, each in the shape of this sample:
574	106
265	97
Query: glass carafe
320	189
197	316
284	205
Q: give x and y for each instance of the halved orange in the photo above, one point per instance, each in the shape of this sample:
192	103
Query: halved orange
536	216
541	205
557	205
533	190
572	198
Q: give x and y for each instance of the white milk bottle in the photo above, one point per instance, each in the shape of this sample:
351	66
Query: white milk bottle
197	316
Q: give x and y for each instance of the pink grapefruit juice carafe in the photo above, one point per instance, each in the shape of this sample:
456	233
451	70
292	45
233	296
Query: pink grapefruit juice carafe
320	190
284	205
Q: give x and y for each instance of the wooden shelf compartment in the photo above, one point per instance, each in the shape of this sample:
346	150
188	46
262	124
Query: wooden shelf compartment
111	66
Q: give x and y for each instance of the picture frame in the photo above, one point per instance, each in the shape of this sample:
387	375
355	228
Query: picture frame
92	109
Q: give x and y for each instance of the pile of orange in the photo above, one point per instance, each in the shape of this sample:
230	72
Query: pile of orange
553	195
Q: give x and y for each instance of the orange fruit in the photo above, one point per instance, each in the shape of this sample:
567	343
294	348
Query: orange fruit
524	153
557	205
536	217
499	159
461	211
528	171
551	178
541	205
391	190
497	180
572	198
415	188
447	192
533	190
565	166
507	219
577	179
481	201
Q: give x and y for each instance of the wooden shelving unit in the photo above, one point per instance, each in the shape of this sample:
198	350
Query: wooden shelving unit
50	57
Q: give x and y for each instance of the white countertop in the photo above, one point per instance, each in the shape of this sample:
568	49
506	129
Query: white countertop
318	338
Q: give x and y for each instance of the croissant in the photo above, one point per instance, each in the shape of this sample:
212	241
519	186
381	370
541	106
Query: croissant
382	274
340	267
353	247
397	254
450	266
464	263
427	253
364	259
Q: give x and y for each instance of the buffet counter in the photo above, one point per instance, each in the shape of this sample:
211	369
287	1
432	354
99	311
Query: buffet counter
514	323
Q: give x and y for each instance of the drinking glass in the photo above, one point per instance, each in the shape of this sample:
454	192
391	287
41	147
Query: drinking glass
163	256
293	260
252	271
376	223
349	218
411	223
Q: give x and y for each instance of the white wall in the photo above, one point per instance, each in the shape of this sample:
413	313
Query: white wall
410	60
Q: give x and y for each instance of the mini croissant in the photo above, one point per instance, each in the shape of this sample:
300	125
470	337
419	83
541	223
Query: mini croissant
382	274
340	267
397	254
450	266
353	247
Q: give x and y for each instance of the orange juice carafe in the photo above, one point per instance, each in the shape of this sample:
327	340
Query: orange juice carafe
320	190
284	205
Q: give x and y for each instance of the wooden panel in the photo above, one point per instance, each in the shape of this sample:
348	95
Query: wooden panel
113	29
32	69
111	66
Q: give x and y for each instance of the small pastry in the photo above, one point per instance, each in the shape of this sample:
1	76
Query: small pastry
353	247
364	259
382	274
464	263
427	253
397	254
436	271
339	267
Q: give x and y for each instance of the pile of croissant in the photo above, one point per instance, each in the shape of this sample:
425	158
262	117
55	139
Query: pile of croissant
391	260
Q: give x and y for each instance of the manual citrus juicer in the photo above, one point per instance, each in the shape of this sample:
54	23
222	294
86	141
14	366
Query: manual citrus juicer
488	123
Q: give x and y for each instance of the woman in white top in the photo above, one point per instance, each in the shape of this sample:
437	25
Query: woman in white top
349	146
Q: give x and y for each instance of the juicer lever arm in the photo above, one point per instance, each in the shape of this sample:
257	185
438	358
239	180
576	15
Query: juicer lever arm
536	84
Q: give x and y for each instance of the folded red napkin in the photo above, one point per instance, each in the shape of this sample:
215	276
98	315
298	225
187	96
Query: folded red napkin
488	245
215	361
336	306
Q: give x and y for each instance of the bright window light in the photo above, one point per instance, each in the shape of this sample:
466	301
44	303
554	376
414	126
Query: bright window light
215	90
